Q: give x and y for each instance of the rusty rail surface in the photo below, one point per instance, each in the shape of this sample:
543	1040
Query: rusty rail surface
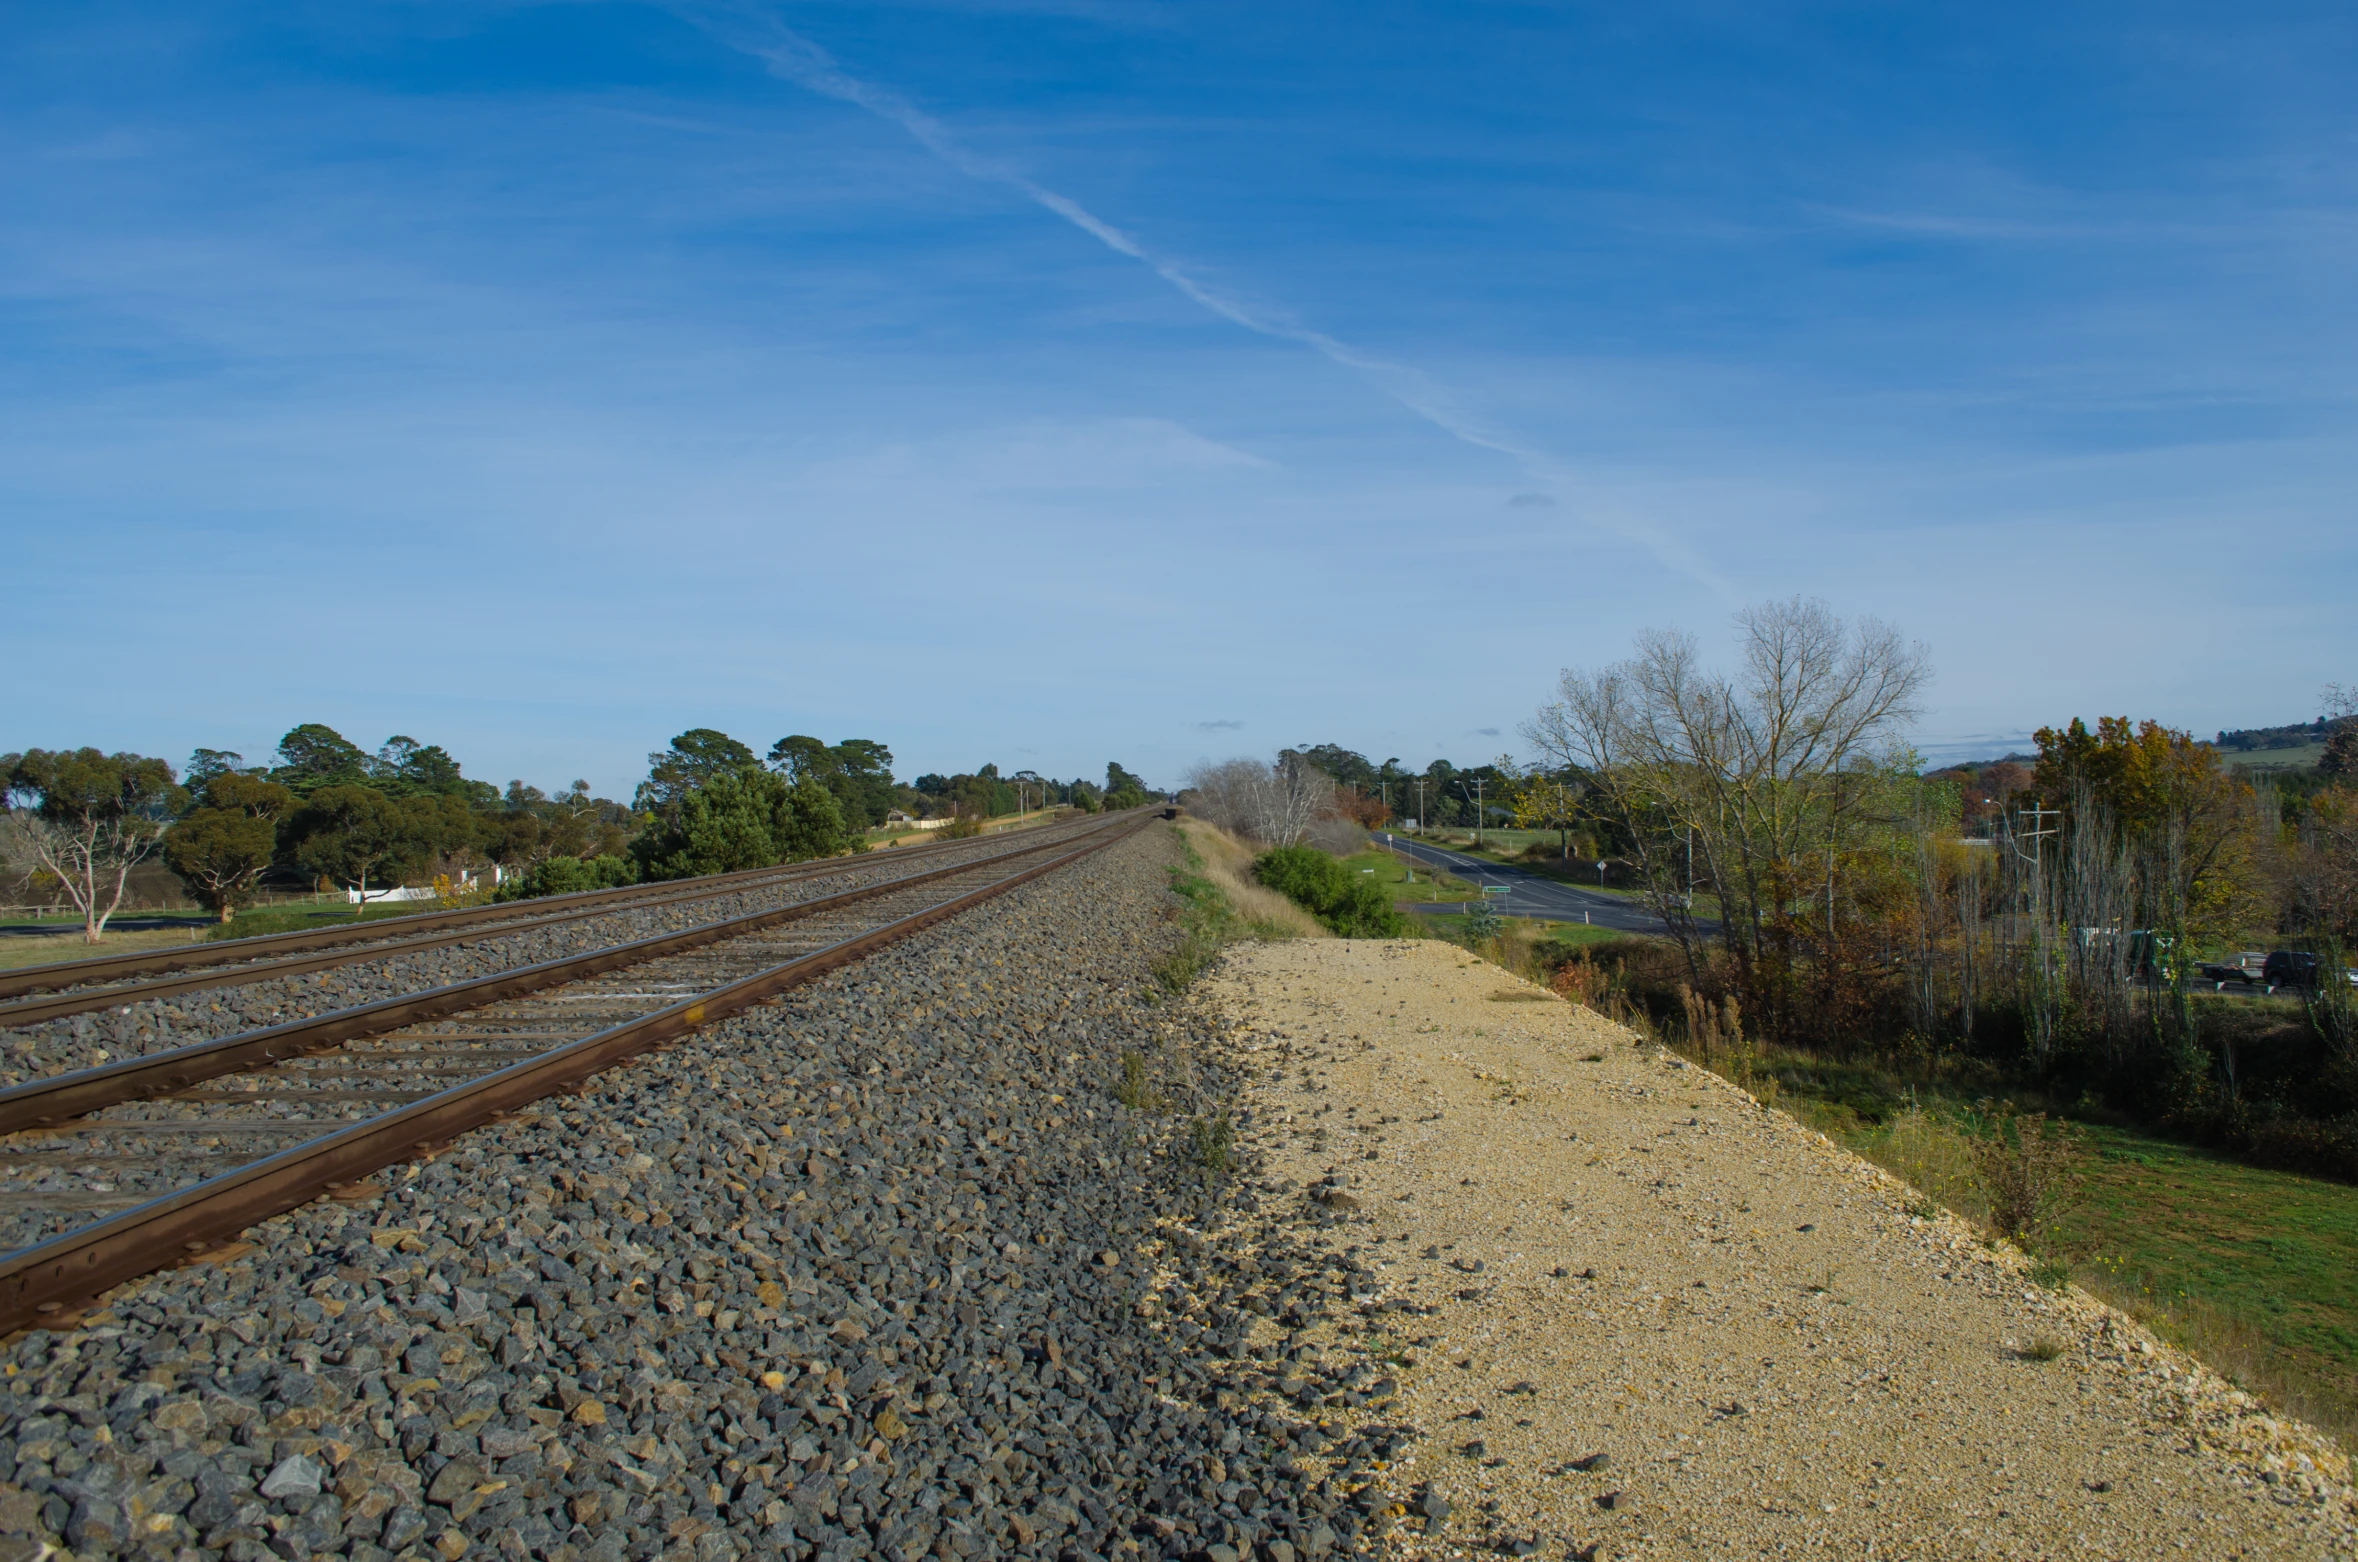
524	913
553	911
51	1277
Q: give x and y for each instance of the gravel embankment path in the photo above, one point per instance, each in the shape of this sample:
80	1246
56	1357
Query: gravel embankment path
137	1029
1648	1318
883	1270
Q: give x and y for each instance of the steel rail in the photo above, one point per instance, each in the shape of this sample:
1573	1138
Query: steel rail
33	1011
39	1103
76	1266
67	973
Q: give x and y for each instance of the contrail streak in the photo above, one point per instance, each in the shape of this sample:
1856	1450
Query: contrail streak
794	58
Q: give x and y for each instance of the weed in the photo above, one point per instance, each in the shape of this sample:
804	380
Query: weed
1184	964
2050	1273
1135	1091
1931	1156
1211	1144
2029	1170
2043	1347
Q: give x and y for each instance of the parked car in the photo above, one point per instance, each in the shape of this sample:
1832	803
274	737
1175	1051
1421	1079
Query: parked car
2295	968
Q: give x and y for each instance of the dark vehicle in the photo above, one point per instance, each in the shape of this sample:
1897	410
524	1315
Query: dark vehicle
2249	968
2295	968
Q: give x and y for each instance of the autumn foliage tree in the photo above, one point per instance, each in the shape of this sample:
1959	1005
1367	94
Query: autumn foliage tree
2176	811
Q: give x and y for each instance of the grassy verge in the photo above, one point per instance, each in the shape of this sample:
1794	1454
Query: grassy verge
1406	881
259	921
1220	904
48	948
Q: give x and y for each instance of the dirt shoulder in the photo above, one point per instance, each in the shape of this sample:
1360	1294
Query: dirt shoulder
1645	1315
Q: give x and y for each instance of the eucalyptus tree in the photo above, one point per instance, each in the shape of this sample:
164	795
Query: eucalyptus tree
221	848
85	819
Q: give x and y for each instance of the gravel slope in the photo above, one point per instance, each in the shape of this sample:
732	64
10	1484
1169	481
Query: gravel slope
885	1269
1648	1318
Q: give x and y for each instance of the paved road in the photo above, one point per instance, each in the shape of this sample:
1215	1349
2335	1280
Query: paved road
1529	894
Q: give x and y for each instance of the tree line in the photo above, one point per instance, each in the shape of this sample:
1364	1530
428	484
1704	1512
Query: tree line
2059	918
2061	921
329	812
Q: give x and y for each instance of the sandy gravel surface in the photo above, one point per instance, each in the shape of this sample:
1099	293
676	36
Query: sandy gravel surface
1641	1316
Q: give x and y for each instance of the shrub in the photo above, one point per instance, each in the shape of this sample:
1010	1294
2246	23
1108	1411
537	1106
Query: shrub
1346	902
2029	1170
568	876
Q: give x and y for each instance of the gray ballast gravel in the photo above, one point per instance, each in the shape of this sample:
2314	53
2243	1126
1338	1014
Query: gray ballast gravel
157	1025
885	1269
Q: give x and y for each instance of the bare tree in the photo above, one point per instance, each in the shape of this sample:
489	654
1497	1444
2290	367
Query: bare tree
1766	777
1274	804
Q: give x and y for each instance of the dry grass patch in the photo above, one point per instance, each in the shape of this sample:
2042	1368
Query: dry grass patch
1228	863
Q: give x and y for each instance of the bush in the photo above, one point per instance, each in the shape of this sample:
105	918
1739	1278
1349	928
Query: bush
1349	904
2030	1172
568	876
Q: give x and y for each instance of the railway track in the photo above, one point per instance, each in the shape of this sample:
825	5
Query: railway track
71	987
113	1172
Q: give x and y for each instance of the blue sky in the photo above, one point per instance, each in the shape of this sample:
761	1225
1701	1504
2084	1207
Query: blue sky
1057	382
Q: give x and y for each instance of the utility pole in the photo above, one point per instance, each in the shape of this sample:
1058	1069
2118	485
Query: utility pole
1420	804
2039	813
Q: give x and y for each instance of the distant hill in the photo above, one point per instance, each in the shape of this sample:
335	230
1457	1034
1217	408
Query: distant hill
2297	746
2301	734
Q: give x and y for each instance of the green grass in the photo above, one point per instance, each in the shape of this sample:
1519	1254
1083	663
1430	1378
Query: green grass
1207	922
257	921
1393	873
2259	1266
1529	948
66	944
71	921
1574	935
